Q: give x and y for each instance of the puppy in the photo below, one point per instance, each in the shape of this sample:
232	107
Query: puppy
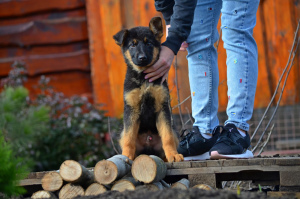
147	112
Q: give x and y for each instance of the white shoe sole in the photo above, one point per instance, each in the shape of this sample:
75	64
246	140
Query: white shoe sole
204	156
215	155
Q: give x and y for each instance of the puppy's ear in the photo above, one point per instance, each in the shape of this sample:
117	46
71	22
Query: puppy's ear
156	27
120	37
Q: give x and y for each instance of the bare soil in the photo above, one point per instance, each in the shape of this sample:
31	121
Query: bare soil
192	193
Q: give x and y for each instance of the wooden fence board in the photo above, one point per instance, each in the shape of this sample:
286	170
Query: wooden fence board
70	83
40	64
99	67
43	16
64	30
17	8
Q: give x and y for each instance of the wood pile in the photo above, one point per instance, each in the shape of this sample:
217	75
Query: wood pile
117	173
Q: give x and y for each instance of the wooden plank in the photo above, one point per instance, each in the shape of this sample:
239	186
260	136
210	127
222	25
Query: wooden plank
284	194
110	13
280	34
64	30
70	83
17	8
81	12
290	178
99	67
47	63
233	169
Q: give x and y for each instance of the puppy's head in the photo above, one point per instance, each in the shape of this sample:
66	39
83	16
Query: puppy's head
141	45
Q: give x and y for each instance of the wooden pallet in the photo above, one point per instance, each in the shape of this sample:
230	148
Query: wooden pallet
283	171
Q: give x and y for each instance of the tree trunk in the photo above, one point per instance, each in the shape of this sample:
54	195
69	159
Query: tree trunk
52	181
127	183
182	184
73	172
70	191
43	194
114	168
95	189
148	169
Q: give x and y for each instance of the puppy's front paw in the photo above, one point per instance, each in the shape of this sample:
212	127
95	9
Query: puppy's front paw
176	157
129	155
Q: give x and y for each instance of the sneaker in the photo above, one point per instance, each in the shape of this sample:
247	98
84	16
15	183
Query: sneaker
231	144
194	146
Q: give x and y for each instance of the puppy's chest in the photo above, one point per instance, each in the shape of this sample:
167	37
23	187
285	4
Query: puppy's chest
146	94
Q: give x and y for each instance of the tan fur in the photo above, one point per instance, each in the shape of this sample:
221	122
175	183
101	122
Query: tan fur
129	137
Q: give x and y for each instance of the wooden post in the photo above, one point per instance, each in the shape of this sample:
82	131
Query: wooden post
114	168
127	183
182	184
43	194
95	189
148	169
72	171
70	191
52	181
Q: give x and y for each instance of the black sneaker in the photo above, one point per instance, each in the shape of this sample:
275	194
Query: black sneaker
194	146
231	144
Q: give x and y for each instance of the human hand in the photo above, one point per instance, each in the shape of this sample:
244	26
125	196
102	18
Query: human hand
184	45
162	66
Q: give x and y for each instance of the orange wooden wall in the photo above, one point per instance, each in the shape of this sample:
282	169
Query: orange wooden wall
71	41
51	37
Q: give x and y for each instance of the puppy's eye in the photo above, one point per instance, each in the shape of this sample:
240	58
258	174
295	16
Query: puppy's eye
132	45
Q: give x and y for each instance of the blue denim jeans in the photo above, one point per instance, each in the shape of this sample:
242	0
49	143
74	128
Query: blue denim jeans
237	22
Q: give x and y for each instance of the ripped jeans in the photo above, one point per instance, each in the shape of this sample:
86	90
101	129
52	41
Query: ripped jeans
237	22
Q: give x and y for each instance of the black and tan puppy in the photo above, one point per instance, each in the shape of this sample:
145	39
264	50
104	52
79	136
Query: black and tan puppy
147	111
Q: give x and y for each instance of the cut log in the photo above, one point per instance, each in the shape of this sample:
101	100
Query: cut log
43	194
72	171
112	169
148	169
156	186
182	184
127	183
52	181
95	189
70	191
203	186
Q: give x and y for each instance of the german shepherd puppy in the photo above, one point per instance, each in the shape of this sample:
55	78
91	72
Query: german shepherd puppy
147	111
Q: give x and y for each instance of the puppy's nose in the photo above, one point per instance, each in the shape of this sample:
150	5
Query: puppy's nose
142	57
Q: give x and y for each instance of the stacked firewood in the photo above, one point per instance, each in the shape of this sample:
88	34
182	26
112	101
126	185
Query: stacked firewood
116	173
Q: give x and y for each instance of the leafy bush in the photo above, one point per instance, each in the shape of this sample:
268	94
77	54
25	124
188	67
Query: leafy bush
59	127
11	171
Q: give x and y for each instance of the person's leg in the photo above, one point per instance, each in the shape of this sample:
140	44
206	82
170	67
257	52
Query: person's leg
204	80
238	20
202	61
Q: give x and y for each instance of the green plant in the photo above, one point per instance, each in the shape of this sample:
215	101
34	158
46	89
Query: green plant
50	127
12	170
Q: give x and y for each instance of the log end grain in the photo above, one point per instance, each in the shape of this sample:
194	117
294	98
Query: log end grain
70	191
95	189
43	194
123	185
203	186
179	185
148	169
52	181
105	172
70	170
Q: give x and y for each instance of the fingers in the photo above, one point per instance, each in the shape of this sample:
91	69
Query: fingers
183	47
159	72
